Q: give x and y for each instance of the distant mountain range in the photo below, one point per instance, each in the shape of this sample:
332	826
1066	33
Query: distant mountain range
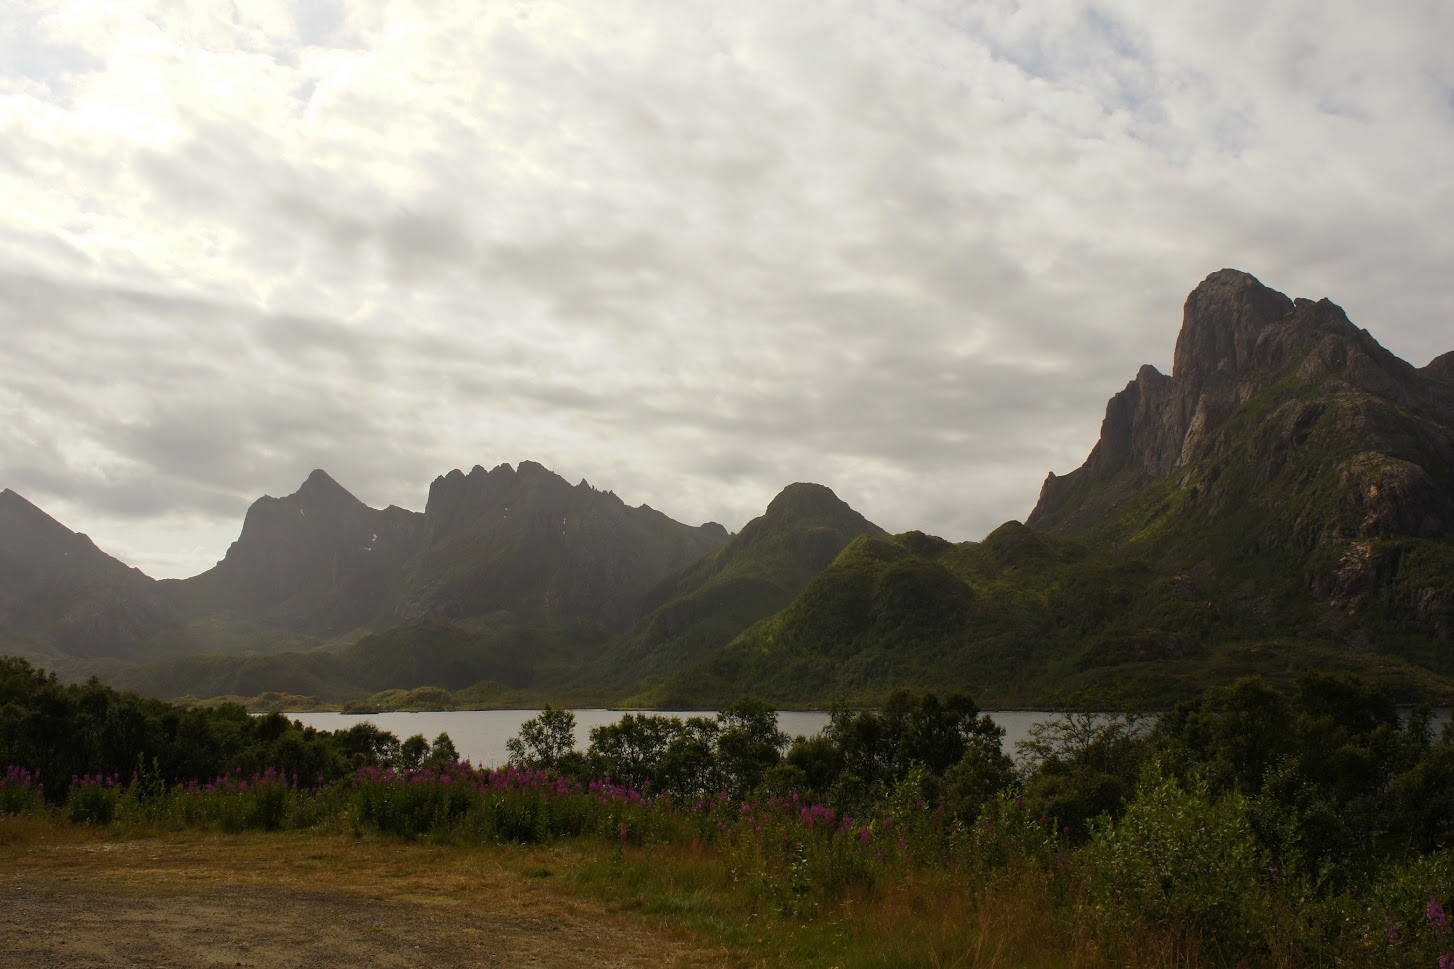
512	548
1284	499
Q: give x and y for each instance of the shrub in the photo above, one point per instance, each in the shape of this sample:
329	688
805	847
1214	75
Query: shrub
94	799
1177	855
21	792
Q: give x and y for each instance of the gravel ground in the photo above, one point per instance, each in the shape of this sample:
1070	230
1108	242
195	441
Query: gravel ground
286	902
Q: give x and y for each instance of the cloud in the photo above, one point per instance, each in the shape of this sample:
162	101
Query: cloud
692	252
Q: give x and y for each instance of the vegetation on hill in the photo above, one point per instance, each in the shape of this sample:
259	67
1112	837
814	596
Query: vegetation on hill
703	606
431	654
1021	617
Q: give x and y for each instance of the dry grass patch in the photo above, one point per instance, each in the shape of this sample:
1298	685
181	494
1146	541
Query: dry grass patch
77	897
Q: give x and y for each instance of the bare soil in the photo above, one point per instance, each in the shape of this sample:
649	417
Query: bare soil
75	898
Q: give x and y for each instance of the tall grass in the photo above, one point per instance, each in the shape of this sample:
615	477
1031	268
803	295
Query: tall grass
1176	882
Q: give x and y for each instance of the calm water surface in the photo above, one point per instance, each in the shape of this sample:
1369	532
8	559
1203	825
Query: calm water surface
480	735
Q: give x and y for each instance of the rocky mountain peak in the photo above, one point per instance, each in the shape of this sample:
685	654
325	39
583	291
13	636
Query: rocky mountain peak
320	489
521	540
28	532
317	561
1319	377
1222	322
17	511
56	586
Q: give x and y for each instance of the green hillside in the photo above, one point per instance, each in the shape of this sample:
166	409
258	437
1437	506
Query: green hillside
704	606
426	654
1017	620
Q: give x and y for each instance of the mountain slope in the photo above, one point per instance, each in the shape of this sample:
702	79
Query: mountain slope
316	563
496	556
1302	387
525	547
706	604
1287	447
61	596
403	657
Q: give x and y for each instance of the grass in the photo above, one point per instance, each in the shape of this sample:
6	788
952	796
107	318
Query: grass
765	883
276	898
676	894
935	861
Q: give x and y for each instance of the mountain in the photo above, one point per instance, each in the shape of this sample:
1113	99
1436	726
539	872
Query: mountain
61	596
1283	500
684	616
757	573
1295	395
1007	618
318	562
1290	447
527	548
460	586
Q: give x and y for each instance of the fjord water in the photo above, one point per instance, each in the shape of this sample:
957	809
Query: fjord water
480	735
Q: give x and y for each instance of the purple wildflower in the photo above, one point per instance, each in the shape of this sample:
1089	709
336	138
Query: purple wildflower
1434	912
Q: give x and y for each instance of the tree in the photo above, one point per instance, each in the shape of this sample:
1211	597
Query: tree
413	751
442	752
1081	764
749	743
546	741
690	766
629	750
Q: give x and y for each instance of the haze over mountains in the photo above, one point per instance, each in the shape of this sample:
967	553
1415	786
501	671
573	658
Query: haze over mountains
1284	498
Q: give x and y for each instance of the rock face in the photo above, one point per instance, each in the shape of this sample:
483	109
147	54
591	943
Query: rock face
1283	428
523	545
515	547
59	593
317	562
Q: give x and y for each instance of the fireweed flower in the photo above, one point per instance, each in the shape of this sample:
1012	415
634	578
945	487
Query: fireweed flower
1434	912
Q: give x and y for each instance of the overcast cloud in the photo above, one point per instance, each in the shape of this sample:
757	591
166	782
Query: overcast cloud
691	251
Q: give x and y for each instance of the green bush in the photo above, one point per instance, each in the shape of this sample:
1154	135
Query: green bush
20	792
1178	855
94	800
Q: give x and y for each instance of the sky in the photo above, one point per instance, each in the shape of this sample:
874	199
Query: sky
689	251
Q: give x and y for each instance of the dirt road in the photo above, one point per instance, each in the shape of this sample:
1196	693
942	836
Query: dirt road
74	899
